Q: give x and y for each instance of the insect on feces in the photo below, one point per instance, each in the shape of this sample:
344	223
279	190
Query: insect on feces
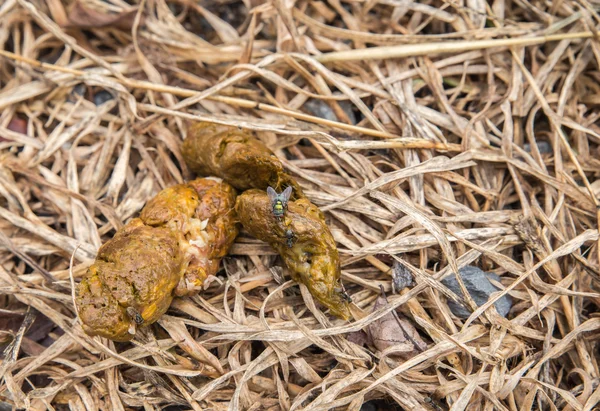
289	237
279	201
135	315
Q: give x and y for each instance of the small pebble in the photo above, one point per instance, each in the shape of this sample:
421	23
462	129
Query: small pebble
401	277
480	288
543	147
321	109
102	97
79	89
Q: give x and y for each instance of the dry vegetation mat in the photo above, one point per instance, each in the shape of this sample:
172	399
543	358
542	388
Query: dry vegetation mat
434	135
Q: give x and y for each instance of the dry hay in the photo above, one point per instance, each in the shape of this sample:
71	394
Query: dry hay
476	142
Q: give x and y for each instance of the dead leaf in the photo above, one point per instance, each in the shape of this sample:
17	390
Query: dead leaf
392	330
41	327
11	319
16	124
358	337
9	324
84	17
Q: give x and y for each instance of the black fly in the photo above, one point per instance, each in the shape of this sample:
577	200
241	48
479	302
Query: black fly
135	315
289	236
343	293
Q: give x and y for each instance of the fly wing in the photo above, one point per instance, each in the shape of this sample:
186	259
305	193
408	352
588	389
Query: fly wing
272	194
285	196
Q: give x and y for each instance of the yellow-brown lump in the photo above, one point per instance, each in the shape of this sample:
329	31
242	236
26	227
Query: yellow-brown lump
175	244
312	258
236	156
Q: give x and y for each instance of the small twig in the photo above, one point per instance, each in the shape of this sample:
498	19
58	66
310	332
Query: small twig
72	279
428	49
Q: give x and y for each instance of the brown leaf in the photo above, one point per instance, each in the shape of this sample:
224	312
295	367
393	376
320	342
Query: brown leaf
358	337
41	327
9	324
12	319
84	17
16	124
393	331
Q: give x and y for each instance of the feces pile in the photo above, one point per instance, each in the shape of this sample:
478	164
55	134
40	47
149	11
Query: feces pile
184	231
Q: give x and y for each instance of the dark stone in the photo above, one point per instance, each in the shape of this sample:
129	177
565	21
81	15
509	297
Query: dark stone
79	89
480	288
102	97
401	277
543	147
321	109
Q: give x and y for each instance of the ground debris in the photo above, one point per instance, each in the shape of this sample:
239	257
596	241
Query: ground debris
477	283
390	331
85	17
443	134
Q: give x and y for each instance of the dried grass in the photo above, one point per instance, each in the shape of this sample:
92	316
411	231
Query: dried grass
476	141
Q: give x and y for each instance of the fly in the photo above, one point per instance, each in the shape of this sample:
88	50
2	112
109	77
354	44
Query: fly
279	201
135	315
342	292
289	236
